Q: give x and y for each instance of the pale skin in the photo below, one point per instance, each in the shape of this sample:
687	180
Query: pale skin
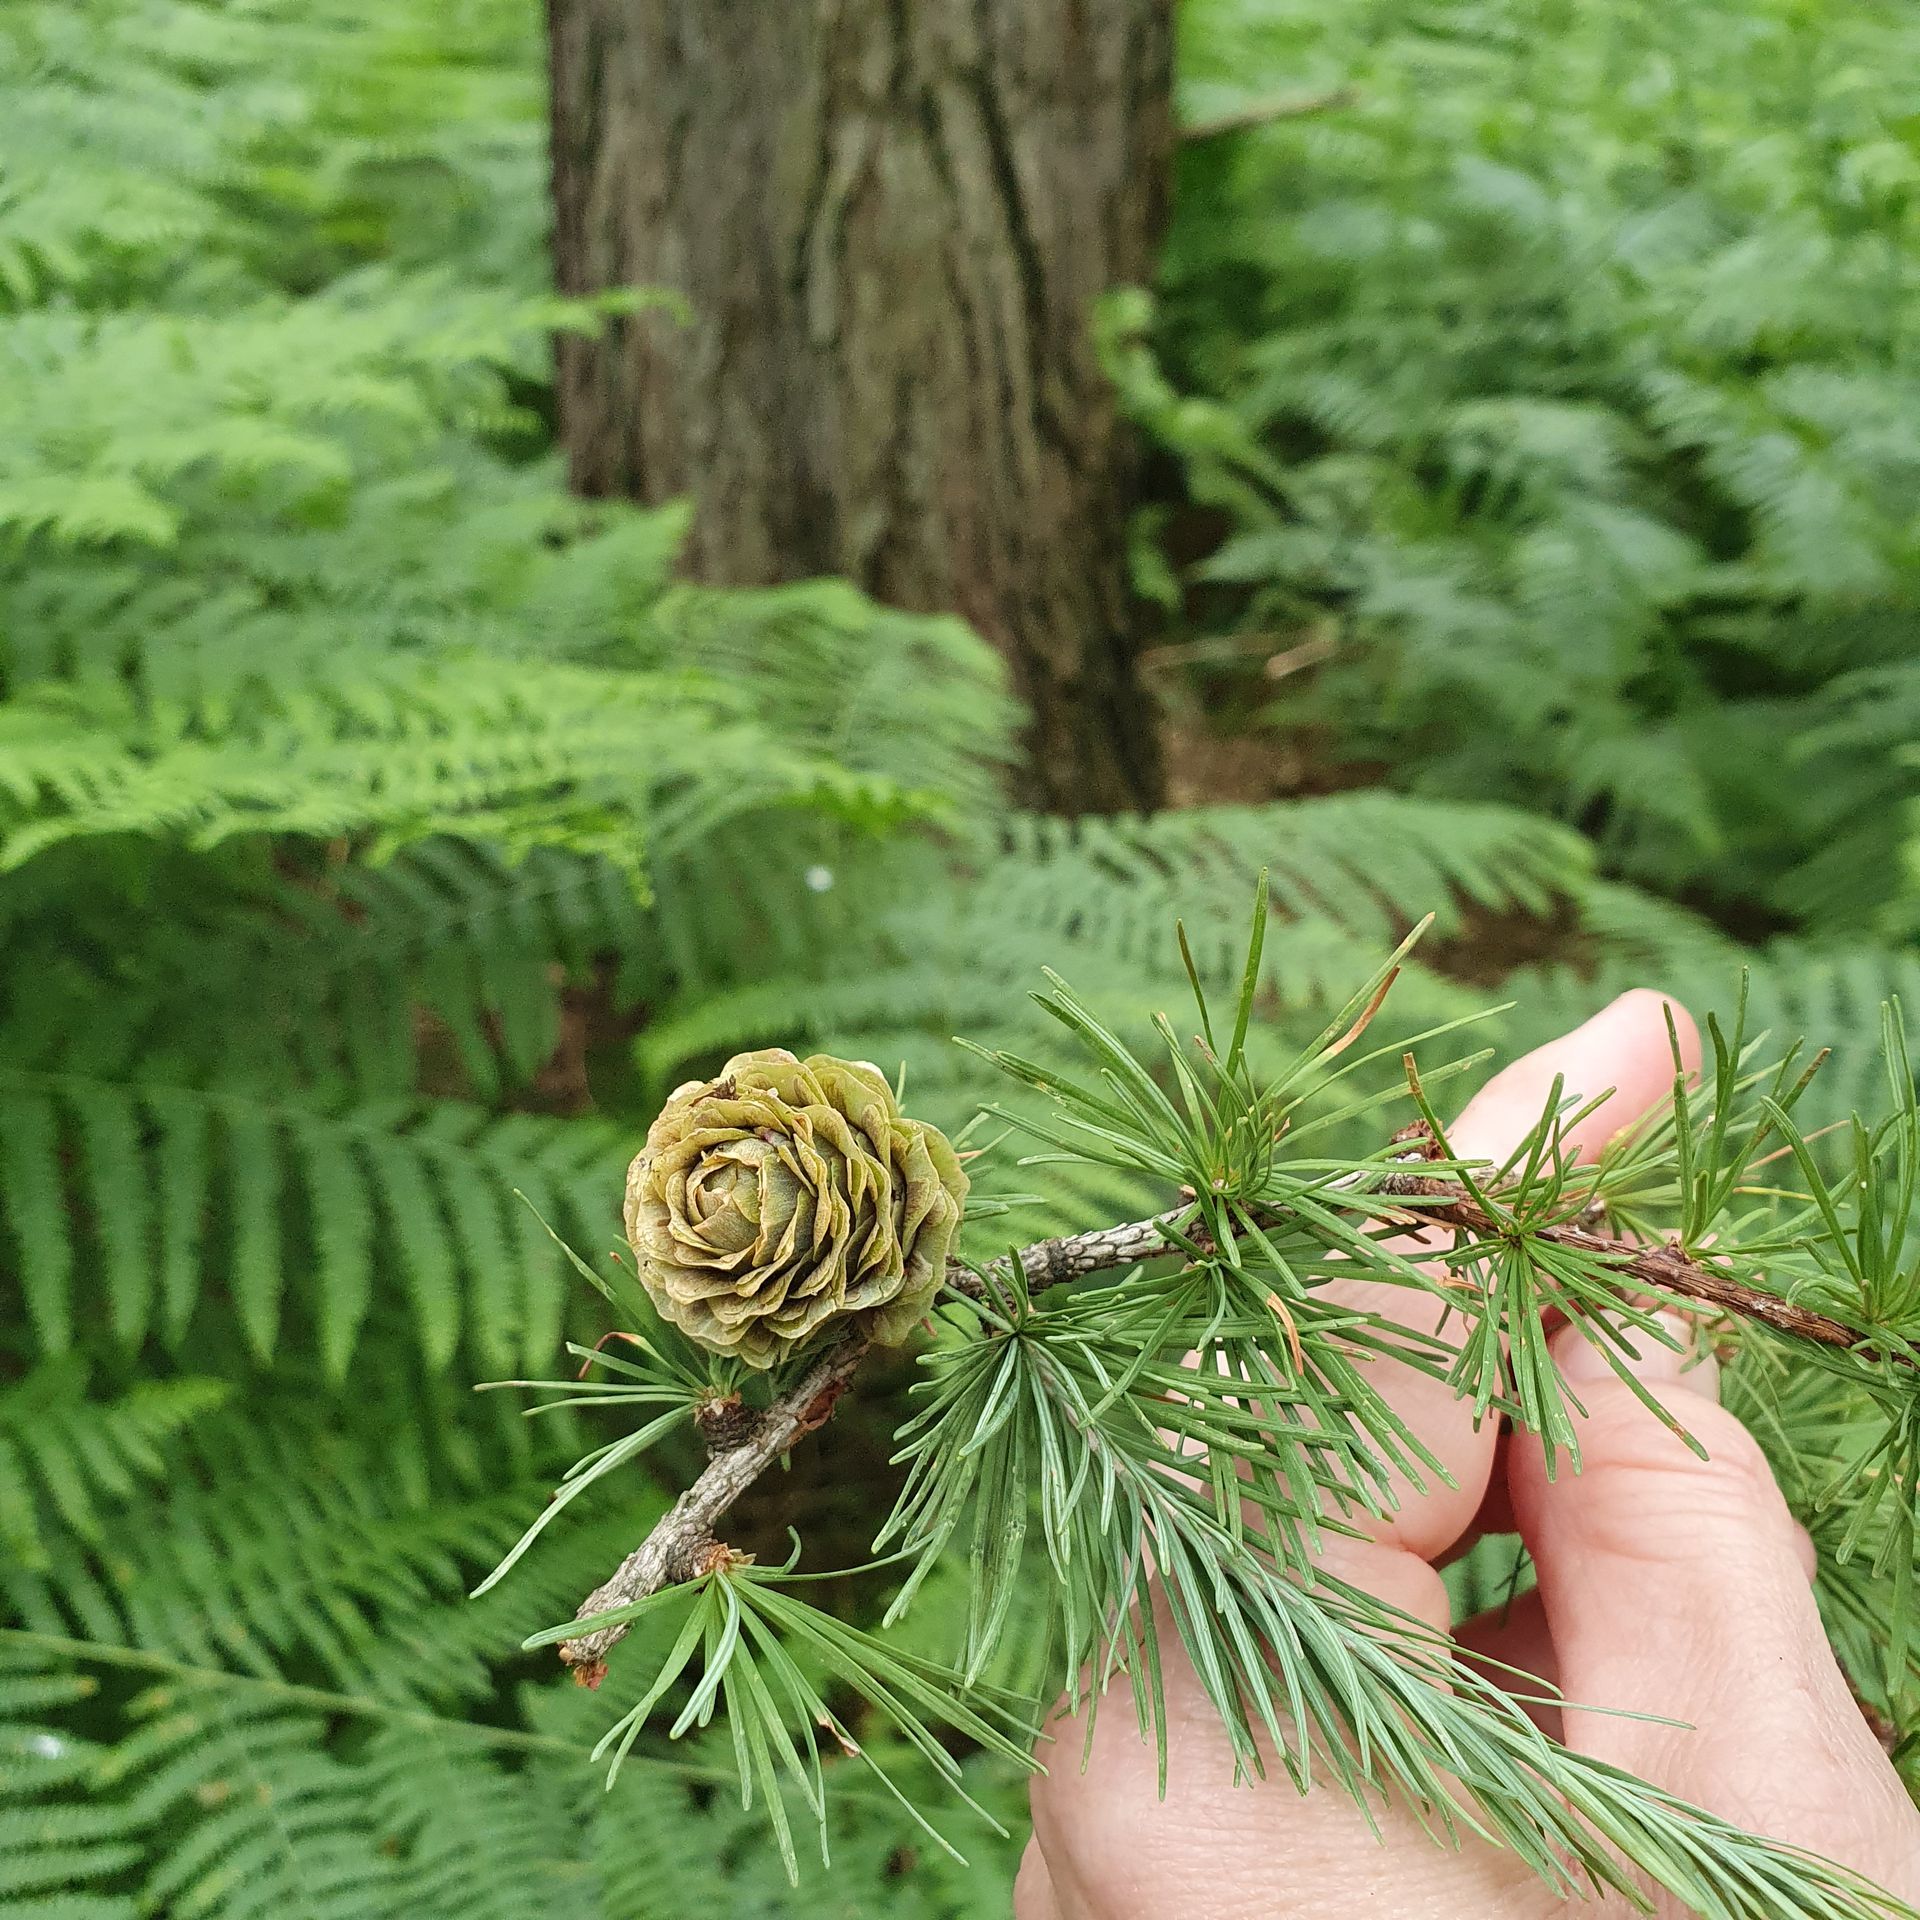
1668	1585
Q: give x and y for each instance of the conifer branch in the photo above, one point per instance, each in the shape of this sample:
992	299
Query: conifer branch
1669	1270
673	1551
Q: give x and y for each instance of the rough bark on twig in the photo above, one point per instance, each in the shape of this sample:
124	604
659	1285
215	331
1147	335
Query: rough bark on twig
669	1553
1668	1270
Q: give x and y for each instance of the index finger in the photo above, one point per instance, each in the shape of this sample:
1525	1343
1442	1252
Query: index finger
1626	1047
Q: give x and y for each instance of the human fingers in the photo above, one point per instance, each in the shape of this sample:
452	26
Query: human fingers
1678	1587
1512	1646
1109	1846
1033	1895
1625	1047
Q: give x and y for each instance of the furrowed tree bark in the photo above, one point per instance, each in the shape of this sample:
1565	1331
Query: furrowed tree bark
890	219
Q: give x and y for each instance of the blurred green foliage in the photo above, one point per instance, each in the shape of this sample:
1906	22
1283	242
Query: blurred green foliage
382	831
339	751
1556	389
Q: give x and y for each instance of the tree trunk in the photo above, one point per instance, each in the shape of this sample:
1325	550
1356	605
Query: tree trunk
890	219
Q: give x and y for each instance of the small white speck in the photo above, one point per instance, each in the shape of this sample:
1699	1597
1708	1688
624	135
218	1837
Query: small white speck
46	1746
819	878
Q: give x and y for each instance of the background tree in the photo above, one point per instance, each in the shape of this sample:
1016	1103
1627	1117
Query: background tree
890	223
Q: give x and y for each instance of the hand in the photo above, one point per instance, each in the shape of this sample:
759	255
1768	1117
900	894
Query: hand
1668	1585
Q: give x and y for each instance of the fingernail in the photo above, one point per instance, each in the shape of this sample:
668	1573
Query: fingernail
1587	1355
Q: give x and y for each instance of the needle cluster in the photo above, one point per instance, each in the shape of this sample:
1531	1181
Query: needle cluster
1157	1425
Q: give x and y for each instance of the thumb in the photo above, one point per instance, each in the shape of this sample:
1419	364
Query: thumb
1679	1587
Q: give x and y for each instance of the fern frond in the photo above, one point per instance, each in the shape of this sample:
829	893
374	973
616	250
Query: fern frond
63	1455
1349	873
1572	451
64	1852
473	1841
269	1823
417	1199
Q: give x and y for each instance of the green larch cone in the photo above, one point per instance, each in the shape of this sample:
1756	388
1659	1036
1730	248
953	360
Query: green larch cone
786	1194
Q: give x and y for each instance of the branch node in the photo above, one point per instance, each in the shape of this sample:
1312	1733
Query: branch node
725	1421
1417	1136
717	1557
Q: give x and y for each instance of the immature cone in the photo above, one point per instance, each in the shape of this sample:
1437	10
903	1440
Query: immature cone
786	1194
